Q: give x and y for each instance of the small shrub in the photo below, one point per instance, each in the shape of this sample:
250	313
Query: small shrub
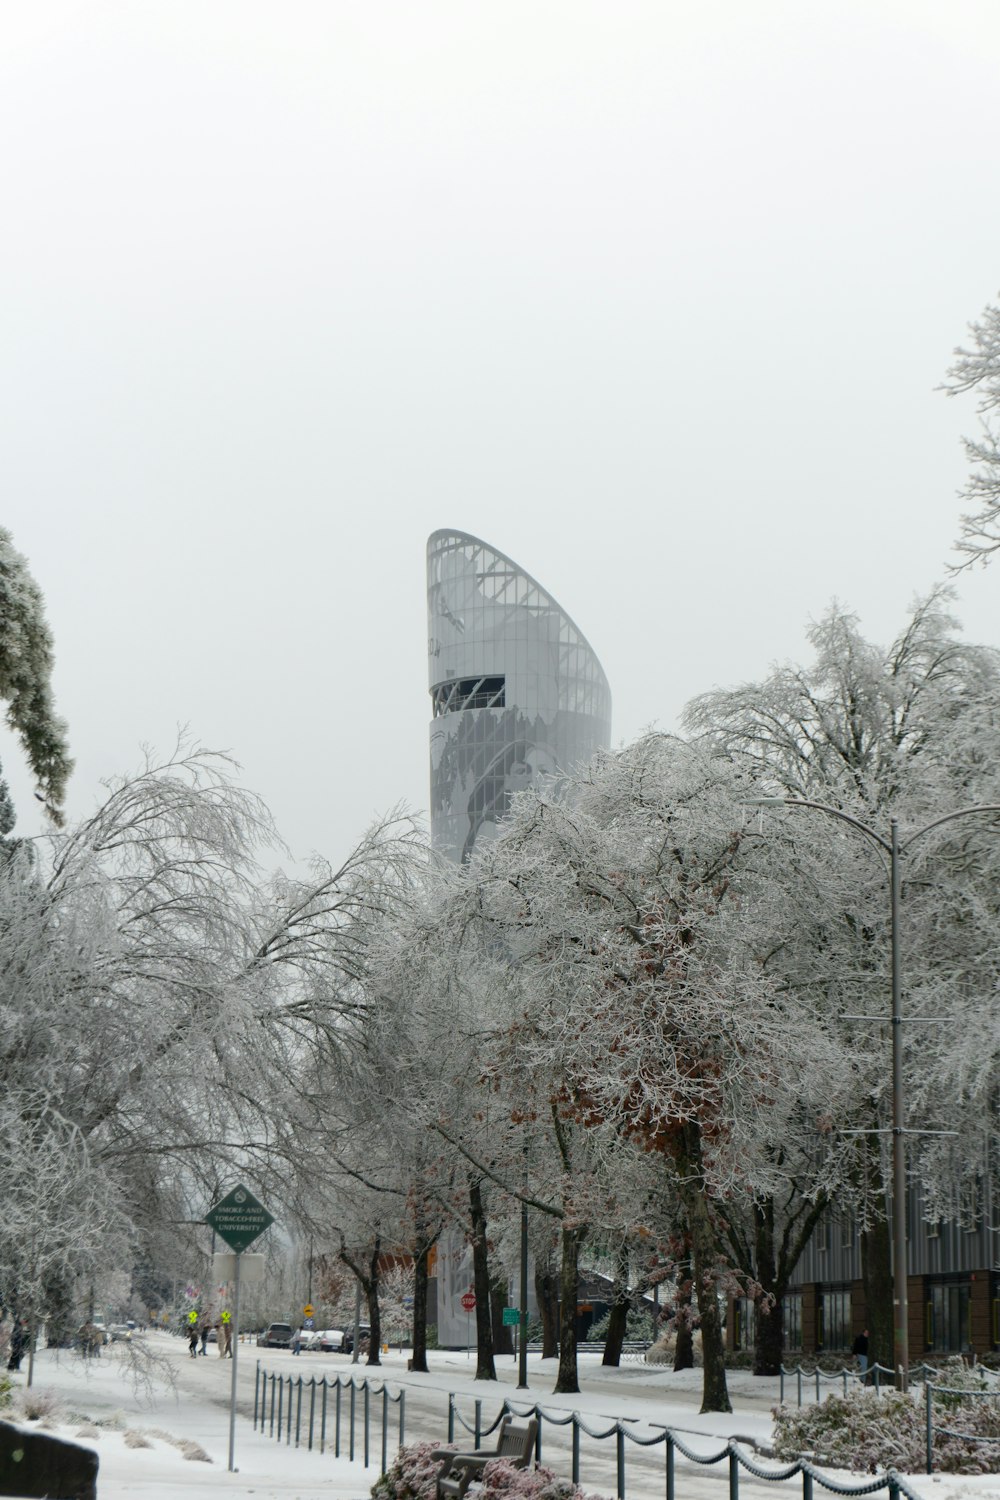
113	1422
6	1386
193	1451
36	1404
740	1359
413	1473
862	1431
413	1476
866	1431
502	1479
638	1327
136	1439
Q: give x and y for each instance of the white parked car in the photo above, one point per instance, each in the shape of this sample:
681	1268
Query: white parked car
330	1340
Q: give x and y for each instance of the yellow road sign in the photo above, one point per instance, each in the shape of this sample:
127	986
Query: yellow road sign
308	1310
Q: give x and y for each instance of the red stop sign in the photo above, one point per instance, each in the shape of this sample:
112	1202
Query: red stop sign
469	1301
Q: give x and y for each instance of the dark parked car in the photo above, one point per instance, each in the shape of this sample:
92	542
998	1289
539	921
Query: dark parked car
276	1336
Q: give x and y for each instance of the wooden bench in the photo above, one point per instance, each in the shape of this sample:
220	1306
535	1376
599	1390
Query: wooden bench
515	1443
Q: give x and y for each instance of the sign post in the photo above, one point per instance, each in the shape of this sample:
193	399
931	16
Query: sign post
239	1219
468	1302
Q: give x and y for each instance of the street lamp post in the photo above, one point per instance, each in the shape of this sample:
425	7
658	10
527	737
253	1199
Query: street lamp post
522	1337
895	848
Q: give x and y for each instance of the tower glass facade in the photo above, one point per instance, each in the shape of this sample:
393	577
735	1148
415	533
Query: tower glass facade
518	695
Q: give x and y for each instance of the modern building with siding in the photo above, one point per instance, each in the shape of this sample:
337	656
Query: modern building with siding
953	1287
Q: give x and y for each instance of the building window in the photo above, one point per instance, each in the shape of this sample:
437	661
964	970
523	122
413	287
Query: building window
745	1325
468	692
949	1310
791	1317
835	1320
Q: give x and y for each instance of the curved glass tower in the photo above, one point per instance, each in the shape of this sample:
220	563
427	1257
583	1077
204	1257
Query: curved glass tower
517	692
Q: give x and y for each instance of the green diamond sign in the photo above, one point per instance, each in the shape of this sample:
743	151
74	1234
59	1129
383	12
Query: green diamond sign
240	1218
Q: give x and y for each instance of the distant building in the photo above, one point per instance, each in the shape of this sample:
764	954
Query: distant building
518	698
518	694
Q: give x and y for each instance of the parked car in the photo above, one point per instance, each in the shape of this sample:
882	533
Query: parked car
276	1336
309	1339
329	1340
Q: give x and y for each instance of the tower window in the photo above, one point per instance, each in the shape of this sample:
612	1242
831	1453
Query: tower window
468	692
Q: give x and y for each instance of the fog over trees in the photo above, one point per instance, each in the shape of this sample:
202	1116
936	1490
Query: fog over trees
635	1011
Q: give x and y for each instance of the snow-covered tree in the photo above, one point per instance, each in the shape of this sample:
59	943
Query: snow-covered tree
26	684
910	732
165	999
618	921
977	368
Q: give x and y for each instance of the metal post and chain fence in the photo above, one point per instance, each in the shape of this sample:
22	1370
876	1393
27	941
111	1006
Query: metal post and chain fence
278	1409
275	1396
879	1377
938	1428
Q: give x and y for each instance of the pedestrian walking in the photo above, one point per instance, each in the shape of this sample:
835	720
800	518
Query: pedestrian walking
860	1351
193	1340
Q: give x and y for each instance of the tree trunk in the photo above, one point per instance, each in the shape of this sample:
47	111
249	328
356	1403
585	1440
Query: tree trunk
618	1319
705	1258
876	1274
683	1320
568	1378
485	1366
774	1258
374	1312
420	1280
547	1297
769	1340
769	1334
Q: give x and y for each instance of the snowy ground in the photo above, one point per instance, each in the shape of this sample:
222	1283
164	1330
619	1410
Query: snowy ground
189	1401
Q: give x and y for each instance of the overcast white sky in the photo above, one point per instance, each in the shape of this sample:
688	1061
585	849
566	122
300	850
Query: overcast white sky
653	297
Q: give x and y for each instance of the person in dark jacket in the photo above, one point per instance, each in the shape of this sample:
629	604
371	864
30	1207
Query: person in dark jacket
18	1344
860	1351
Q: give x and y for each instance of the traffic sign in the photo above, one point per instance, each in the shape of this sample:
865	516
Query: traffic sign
307	1322
240	1218
308	1310
511	1316
468	1301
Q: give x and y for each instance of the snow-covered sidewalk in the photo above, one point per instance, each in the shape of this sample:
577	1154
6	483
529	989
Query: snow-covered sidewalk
99	1408
98	1405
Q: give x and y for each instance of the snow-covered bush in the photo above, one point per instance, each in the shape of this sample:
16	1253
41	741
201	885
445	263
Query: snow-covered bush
866	1431
35	1404
637	1327
501	1478
414	1473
